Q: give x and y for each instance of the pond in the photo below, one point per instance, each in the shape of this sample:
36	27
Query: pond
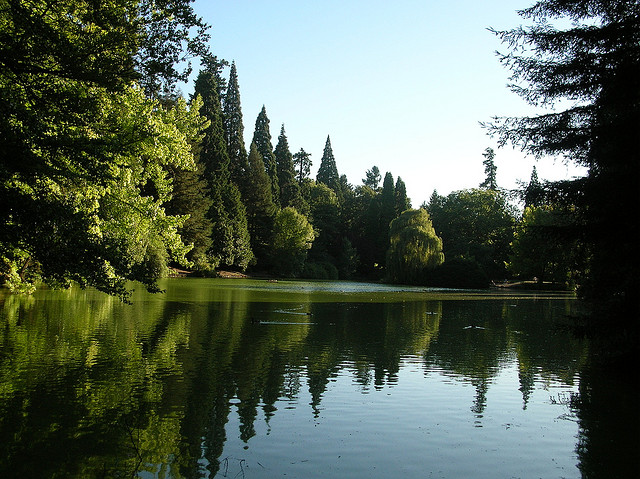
257	379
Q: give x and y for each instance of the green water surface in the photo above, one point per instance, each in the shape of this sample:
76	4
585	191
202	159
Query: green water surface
250	378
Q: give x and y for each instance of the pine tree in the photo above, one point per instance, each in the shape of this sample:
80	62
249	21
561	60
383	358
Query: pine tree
289	189
260	208
372	178
230	235
328	172
262	139
490	170
403	203
234	131
302	162
534	191
591	69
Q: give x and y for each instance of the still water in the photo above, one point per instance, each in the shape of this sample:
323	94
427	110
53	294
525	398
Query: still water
253	379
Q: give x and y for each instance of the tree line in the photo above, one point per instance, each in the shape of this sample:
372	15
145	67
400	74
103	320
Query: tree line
109	175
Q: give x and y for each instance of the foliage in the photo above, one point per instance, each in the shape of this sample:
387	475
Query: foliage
476	224
372	178
289	188
302	162
262	139
457	273
230	234
234	131
414	247
402	202
328	172
589	70
293	237
490	170
540	248
259	204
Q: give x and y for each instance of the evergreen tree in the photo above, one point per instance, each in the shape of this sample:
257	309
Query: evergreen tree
234	131
289	188
302	163
387	203
328	172
534	191
191	197
372	178
403	203
591	67
260	208
262	139
230	235
490	170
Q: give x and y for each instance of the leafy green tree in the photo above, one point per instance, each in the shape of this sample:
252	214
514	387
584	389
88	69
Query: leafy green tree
260	208
230	234
171	35
414	248
372	178
234	131
302	162
84	181
537	251
328	172
588	68
490	170
262	139
403	203
293	237
325	217
477	225
290	194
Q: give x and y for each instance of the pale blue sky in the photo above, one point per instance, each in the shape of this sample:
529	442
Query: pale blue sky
401	85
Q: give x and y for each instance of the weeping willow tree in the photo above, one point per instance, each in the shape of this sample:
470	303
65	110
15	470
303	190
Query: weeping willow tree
415	247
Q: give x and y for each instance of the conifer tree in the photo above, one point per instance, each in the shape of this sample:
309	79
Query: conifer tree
302	162
403	203
230	235
262	139
534	191
234	131
490	170
387	202
260	208
328	172
372	178
289	189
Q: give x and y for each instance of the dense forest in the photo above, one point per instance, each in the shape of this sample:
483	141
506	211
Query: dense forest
109	175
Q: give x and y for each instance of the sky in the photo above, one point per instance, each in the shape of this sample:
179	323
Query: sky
400	85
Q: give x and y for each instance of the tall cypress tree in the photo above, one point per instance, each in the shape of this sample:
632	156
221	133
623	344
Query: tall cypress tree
328	172
260	208
289	189
403	203
387	202
234	131
262	139
230	234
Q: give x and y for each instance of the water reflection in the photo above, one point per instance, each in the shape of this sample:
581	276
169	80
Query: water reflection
93	388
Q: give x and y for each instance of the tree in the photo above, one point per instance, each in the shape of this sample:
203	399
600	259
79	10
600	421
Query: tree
84	180
590	69
387	202
262	139
403	203
234	131
230	234
414	248
477	225
289	188
372	178
534	191
489	170
328	172
302	162
260	208
537	251
293	236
